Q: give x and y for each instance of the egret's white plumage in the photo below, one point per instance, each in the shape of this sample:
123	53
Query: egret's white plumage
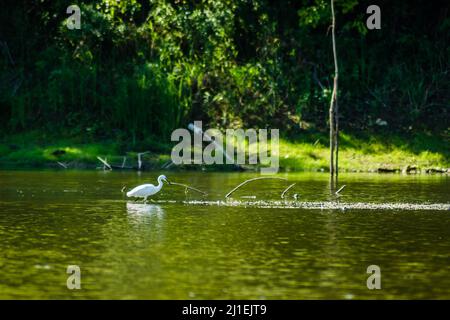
147	190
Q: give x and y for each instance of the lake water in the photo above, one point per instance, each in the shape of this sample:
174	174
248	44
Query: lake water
176	248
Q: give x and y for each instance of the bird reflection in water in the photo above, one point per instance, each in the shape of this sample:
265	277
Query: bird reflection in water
147	217
146	210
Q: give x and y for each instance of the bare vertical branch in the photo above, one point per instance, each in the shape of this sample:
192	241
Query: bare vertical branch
333	111
139	159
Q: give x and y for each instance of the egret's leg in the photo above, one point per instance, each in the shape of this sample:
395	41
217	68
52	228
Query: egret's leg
145	199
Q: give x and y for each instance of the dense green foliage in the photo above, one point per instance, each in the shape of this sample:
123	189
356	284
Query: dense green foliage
140	68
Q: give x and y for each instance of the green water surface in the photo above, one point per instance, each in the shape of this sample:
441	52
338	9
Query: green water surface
173	250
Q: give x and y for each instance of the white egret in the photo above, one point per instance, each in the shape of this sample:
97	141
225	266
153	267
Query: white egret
146	190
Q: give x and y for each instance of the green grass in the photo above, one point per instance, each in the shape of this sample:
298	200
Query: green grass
367	154
33	149
309	152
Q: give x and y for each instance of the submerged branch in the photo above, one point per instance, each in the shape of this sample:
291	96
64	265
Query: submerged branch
187	187
249	180
105	163
286	190
62	164
340	189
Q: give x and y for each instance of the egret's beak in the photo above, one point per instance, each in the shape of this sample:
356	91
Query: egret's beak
167	180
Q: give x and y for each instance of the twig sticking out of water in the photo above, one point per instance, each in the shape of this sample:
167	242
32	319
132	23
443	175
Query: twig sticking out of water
167	164
249	180
286	190
139	159
62	164
187	187
105	163
340	189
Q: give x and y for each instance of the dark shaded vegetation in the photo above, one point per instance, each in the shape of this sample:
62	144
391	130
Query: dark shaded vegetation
138	69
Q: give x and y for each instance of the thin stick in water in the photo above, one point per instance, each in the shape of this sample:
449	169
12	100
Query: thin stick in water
139	159
340	189
286	190
62	164
249	180
105	162
187	187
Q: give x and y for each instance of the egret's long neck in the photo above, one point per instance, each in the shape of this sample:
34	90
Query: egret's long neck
160	184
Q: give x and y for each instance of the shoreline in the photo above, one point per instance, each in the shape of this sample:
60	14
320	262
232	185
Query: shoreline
154	167
420	154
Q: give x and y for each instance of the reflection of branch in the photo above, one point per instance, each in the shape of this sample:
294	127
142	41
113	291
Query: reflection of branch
249	180
187	187
286	190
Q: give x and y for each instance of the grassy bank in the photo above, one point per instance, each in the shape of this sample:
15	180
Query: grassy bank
367	153
308	152
37	150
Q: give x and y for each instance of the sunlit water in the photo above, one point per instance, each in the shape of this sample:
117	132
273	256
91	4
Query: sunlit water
172	249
